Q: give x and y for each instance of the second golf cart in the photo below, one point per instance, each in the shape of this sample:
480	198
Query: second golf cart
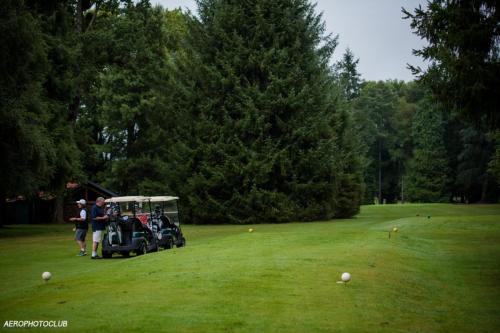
127	230
165	217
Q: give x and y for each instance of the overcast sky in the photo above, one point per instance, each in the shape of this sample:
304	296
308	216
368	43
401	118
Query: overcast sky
372	29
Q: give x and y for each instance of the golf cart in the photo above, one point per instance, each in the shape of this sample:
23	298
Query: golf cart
126	231
165	218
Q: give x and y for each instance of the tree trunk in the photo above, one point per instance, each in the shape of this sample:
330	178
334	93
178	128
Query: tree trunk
74	107
3	207
400	173
130	139
79	16
380	171
484	191
59	209
402	190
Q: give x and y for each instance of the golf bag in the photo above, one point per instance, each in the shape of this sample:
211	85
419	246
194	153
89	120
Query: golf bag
114	233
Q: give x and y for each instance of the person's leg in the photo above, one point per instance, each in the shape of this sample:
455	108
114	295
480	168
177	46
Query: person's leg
83	244
79	237
95	243
96	238
77	240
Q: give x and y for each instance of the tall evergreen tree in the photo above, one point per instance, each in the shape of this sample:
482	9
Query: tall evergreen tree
348	75
372	113
473	181
266	143
399	142
494	164
127	91
383	115
24	140
37	91
428	169
464	55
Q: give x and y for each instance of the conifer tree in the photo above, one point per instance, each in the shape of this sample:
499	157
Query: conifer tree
348	75
427	171
127	92
38	80
266	142
24	140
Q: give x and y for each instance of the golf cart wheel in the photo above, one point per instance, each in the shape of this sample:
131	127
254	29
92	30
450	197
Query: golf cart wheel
182	243
106	254
169	244
141	250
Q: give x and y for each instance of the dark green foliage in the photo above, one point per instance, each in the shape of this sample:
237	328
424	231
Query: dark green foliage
464	77
348	75
126	93
494	164
37	87
463	49
238	111
265	142
420	153
428	169
473	182
28	155
383	114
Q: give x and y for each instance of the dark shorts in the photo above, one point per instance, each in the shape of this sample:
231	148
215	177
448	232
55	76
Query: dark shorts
80	234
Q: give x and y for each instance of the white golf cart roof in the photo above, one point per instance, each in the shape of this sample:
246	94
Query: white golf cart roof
140	198
131	198
162	198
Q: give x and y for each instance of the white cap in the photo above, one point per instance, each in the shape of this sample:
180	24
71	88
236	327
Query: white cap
82	202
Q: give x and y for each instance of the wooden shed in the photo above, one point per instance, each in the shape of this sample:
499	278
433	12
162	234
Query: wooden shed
89	191
47	208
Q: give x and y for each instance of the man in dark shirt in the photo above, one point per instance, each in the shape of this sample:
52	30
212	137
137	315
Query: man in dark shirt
81	226
98	225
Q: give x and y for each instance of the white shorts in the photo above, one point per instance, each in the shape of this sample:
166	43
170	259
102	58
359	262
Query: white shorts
96	236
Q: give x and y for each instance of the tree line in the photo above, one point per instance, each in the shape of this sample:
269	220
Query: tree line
415	151
237	108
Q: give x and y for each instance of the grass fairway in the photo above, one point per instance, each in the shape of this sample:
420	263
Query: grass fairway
438	274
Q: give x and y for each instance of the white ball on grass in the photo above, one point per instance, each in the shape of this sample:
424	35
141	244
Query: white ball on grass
46	276
346	277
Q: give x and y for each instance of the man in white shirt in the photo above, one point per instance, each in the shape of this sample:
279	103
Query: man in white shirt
81	227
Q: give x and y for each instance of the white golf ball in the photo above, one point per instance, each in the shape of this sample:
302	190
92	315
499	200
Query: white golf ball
346	277
46	276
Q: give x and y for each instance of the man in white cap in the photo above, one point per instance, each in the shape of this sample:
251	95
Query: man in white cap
81	226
